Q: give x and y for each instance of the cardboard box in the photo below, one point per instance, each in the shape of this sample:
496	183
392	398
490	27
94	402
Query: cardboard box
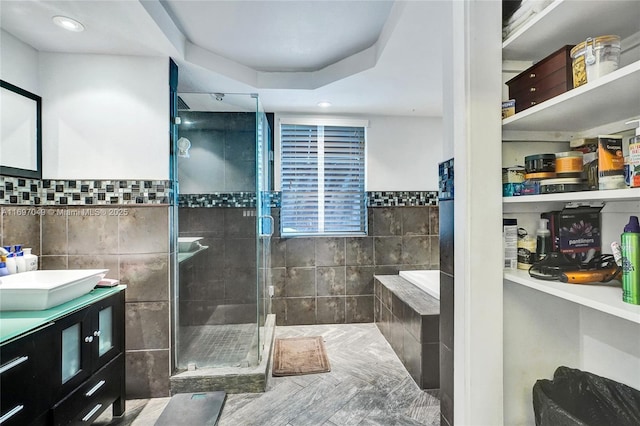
508	108
602	162
579	232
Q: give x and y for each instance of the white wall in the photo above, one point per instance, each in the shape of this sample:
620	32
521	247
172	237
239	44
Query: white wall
402	152
104	116
18	63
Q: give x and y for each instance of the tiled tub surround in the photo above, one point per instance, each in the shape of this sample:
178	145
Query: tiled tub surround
329	280
133	243
409	319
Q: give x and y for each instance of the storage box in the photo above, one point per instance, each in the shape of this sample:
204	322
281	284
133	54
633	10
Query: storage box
508	108
579	235
603	163
546	79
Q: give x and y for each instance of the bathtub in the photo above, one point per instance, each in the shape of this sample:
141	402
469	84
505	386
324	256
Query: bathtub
428	280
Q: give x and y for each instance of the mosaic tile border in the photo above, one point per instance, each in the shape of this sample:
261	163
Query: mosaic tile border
19	191
402	198
248	199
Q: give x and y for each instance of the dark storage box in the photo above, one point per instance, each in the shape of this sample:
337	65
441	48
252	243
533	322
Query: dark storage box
548	78
579	235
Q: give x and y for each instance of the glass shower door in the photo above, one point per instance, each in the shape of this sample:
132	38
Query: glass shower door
264	223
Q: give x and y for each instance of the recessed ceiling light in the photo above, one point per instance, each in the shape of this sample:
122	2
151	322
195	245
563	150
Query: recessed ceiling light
68	23
324	104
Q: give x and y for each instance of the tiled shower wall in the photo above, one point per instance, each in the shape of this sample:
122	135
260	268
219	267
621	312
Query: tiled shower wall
329	280
133	243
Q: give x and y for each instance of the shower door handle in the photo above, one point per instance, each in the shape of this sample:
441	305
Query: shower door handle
271	224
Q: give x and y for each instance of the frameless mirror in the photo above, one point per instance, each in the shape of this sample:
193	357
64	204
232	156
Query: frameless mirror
20	132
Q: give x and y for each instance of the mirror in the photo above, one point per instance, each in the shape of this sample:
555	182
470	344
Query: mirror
20	132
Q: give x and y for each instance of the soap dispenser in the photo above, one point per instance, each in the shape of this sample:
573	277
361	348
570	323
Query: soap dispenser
543	240
632	159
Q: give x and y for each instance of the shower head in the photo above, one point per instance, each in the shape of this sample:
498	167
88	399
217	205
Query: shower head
183	147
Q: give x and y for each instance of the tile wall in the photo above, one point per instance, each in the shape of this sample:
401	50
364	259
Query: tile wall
329	280
133	243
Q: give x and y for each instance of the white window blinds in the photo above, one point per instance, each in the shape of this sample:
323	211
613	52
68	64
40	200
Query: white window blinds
322	180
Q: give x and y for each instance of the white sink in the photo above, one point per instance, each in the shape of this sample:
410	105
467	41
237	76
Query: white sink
38	290
188	244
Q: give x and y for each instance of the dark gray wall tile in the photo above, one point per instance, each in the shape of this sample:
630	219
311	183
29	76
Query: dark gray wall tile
300	252
430	365
21	225
434	220
388	250
147	374
53	262
103	237
330	281
386	221
279	281
359	251
54	232
142	230
204	222
359	280
300	282
278	252
331	310
147	325
146	276
330	251
239	223
301	311
415	250
239	252
359	309
415	220
106	261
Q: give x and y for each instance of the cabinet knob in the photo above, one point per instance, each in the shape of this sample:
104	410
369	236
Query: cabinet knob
88	339
532	75
96	333
532	89
533	102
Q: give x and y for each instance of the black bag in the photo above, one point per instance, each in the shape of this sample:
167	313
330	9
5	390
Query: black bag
579	398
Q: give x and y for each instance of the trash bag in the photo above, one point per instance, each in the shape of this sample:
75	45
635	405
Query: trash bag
579	398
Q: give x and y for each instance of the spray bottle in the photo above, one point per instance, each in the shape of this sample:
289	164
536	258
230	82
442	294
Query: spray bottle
630	242
632	160
543	240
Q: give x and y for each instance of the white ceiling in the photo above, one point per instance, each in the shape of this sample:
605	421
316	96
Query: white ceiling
364	56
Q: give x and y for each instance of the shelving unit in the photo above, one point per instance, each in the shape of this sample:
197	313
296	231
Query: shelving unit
548	323
601	297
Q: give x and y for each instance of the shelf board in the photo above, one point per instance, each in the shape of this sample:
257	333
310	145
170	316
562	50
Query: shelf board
628	194
570	22
601	297
610	98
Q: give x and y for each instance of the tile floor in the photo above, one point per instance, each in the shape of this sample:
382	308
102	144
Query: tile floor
367	385
216	345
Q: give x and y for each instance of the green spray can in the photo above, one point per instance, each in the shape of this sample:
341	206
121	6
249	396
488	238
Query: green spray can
630	246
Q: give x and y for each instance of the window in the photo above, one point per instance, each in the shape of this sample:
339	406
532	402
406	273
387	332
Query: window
322	178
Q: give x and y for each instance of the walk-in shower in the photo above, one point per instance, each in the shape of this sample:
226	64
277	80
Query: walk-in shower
223	228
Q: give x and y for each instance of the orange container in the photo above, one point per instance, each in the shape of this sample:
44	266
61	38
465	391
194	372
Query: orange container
569	164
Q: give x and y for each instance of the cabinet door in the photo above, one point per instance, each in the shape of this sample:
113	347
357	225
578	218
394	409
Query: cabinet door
74	342
107	330
25	380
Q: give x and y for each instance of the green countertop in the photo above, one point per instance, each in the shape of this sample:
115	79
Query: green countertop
182	256
15	323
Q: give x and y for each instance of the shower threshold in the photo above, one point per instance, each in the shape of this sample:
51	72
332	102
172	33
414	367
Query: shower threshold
231	379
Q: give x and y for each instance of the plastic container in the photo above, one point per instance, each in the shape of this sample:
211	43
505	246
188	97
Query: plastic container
595	57
510	242
569	164
526	252
543	240
552	186
31	260
540	163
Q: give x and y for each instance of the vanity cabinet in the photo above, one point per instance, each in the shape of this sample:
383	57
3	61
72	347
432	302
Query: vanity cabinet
68	369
